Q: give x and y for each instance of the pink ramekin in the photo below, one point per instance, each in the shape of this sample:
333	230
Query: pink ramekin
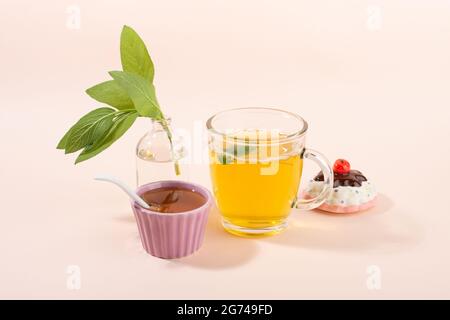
172	235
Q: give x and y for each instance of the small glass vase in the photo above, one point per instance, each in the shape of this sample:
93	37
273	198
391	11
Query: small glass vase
158	155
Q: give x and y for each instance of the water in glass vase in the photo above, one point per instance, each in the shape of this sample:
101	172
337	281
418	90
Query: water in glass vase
158	157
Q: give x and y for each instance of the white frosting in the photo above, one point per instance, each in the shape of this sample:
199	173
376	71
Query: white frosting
345	196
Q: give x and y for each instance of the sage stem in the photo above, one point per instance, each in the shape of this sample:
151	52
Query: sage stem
169	136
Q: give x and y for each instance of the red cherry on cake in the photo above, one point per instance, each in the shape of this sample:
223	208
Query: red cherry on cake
341	166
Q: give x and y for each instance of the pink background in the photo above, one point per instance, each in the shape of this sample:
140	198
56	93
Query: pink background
371	77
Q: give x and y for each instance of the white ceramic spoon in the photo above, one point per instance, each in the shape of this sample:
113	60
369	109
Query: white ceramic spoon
133	195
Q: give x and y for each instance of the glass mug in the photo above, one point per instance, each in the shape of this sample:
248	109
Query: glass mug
256	160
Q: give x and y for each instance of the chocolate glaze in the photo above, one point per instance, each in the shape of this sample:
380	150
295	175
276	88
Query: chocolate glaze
352	179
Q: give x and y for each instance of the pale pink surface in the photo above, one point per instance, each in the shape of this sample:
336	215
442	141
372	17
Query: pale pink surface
379	98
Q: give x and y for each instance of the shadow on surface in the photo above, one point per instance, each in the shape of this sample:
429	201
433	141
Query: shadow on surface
220	250
379	229
128	217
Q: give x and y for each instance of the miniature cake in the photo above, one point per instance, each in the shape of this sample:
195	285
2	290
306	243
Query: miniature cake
352	192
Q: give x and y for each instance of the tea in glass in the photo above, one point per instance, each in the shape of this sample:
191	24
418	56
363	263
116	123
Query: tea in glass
256	161
255	188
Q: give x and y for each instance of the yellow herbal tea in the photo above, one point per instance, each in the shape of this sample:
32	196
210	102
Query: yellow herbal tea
256	161
255	180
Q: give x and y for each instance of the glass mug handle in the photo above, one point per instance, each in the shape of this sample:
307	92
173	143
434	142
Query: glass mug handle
325	167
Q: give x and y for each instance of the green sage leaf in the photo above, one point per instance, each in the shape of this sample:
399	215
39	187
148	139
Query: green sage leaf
89	131
120	125
110	92
235	151
141	92
87	119
134	55
62	143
